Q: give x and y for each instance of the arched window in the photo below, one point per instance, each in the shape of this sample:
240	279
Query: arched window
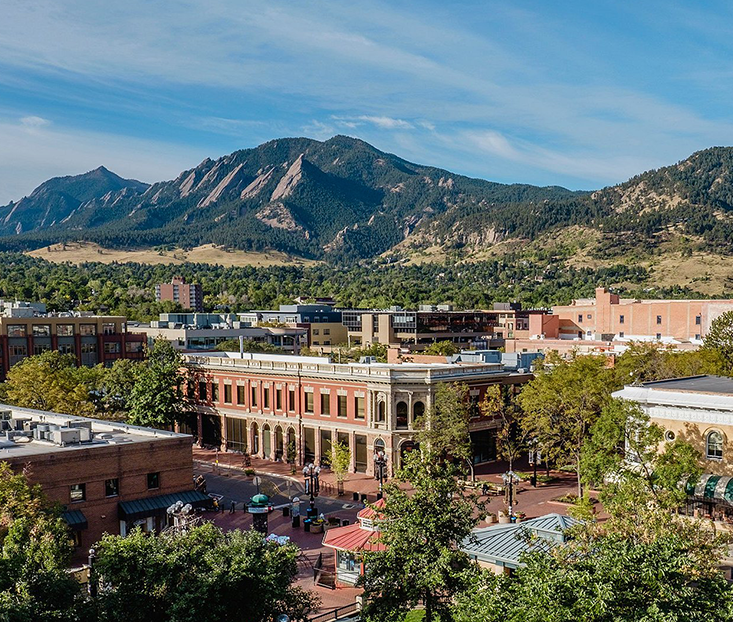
378	445
714	446
401	411
266	440
381	412
418	410
255	439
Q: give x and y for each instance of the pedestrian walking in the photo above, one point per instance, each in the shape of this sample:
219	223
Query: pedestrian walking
232	507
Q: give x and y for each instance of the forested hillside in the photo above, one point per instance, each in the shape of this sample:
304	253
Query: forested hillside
343	200
127	289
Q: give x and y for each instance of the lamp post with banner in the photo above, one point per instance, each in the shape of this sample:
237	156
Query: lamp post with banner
510	479
380	469
311	475
535	456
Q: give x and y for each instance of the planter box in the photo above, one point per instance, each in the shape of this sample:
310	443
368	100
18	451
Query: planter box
317	528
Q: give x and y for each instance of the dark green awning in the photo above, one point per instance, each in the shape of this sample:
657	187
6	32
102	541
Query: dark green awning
711	487
157	506
76	519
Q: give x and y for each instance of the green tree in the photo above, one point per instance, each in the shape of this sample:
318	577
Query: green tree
421	530
444	428
719	338
52	381
250	345
442	348
609	578
340	462
510	437
117	386
637	471
202	574
562	403
35	550
157	398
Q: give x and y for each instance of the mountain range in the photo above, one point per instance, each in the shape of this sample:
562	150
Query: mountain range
343	199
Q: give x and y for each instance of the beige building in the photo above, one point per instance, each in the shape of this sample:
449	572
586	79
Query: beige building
698	409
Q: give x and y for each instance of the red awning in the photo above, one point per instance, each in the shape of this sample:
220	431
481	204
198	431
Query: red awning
353	538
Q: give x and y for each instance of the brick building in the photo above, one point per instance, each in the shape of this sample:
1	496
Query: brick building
188	295
608	317
92	339
261	403
110	476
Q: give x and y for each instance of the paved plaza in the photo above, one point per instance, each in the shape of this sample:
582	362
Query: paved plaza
225	477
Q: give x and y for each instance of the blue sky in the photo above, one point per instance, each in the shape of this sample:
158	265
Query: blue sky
580	94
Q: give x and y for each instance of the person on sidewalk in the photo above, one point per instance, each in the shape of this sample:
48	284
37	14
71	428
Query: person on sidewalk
232	507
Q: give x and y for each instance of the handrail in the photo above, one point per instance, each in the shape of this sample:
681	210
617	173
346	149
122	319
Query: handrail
335	614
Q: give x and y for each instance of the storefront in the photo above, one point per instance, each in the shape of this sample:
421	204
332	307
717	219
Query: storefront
710	496
150	513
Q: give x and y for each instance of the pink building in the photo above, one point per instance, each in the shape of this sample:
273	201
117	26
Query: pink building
607	317
261	404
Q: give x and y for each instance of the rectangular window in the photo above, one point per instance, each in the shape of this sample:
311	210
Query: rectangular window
227	394
112	348
88	330
659	335
326	331
214	391
78	492
278	399
108	329
266	397
153	481
112	487
659	319
325	404
65	330
621	334
40	348
360	407
203	393
253	401
316	331
41	330
309	402
620	319
697	336
134	347
16	330
291	400
698	320
343	408
240	395
66	348
580	317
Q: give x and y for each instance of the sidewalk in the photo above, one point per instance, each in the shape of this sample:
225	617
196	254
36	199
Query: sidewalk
530	500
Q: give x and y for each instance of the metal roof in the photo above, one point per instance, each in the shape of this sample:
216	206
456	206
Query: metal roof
505	544
353	538
157	506
76	519
698	384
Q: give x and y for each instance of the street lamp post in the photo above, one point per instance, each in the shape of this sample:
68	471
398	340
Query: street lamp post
312	484
380	468
509	478
534	456
92	585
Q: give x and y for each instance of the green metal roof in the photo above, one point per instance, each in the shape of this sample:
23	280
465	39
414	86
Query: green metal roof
76	519
157	506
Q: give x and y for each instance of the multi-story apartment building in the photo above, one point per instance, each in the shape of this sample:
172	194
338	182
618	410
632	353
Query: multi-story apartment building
607	317
92	339
323	323
188	295
110	476
262	403
205	331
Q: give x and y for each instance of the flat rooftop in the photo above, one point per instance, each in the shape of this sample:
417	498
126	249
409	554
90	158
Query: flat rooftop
24	442
694	384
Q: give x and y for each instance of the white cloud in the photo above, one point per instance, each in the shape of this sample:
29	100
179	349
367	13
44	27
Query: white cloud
387	123
33	122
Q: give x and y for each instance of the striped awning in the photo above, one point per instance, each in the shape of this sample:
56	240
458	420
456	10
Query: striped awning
710	487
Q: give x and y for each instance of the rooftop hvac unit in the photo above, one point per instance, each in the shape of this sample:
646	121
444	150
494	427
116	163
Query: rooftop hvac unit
80	423
6	414
65	436
17	423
